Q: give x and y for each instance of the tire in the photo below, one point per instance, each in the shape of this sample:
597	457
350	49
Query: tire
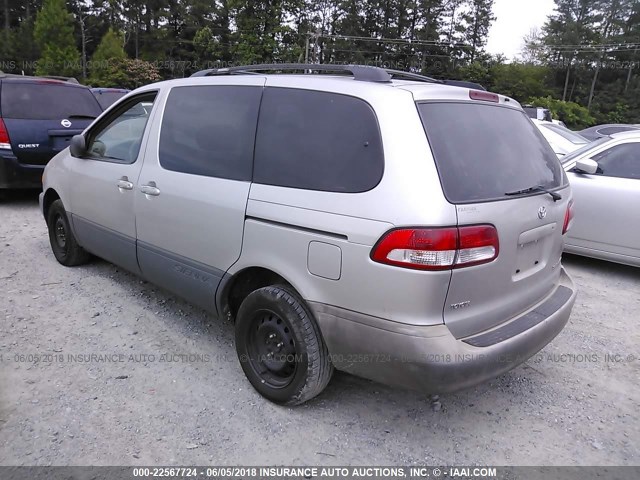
280	346
63	243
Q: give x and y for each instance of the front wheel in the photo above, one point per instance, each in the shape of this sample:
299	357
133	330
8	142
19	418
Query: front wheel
63	243
280	346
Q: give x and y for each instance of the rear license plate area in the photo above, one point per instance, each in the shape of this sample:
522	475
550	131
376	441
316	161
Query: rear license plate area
534	249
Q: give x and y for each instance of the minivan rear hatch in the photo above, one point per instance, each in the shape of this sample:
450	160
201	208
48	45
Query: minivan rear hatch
41	116
498	170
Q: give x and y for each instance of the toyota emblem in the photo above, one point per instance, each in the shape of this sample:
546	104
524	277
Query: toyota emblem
542	212
65	123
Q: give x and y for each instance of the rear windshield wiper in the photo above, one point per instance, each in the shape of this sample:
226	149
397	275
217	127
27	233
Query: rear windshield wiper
537	188
82	116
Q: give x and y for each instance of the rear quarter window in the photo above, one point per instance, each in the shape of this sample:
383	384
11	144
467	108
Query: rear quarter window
317	141
484	151
46	100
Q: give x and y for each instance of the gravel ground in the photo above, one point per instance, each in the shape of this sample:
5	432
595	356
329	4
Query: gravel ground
178	395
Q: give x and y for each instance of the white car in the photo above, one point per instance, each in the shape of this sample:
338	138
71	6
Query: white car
605	178
562	140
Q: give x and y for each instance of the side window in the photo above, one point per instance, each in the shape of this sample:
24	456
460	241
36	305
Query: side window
317	141
210	130
119	138
620	161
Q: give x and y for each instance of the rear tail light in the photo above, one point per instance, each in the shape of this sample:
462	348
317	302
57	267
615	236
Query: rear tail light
5	143
437	248
568	218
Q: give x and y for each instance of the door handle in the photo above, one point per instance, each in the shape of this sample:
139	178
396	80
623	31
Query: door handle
150	189
125	184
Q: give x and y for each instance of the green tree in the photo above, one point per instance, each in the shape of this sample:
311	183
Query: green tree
478	18
572	25
111	46
128	73
520	80
572	114
109	49
53	32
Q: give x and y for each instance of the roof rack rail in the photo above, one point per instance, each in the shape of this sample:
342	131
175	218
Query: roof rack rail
52	77
464	84
63	79
360	72
412	76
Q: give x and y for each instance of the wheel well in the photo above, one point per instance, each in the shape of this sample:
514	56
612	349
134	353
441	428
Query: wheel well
49	197
243	283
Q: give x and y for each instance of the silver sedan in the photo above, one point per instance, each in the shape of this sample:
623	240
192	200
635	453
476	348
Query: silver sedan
605	178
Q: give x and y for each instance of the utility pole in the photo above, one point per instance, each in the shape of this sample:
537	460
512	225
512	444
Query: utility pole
630	72
306	50
315	46
7	22
84	47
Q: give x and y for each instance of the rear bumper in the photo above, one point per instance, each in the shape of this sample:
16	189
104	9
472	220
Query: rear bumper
14	174
431	359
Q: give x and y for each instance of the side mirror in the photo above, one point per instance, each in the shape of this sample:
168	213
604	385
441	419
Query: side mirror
586	165
78	146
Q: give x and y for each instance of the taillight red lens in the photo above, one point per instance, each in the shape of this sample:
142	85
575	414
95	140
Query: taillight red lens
568	218
437	248
4	136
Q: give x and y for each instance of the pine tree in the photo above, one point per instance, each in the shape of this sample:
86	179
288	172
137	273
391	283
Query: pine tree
53	33
109	49
478	17
572	25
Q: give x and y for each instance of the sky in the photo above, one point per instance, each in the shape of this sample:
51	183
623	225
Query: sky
515	18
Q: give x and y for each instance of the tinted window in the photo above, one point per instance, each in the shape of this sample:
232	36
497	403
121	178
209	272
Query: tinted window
483	151
119	139
620	161
210	130
317	141
47	101
106	99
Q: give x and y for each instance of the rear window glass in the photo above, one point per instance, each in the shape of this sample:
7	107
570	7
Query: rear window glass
613	130
47	101
567	134
106	99
483	152
317	141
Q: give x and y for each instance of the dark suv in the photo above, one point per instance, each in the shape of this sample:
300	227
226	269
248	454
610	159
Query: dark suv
38	117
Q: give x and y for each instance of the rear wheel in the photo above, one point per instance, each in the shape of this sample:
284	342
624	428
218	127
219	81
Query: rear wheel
280	346
63	243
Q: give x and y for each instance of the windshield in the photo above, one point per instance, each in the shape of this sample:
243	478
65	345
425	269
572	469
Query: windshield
484	151
47	101
589	146
567	134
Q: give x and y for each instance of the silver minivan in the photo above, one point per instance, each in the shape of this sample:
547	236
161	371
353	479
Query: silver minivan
374	221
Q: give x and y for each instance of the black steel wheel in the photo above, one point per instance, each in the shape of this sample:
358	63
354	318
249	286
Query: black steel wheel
63	243
280	346
271	346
